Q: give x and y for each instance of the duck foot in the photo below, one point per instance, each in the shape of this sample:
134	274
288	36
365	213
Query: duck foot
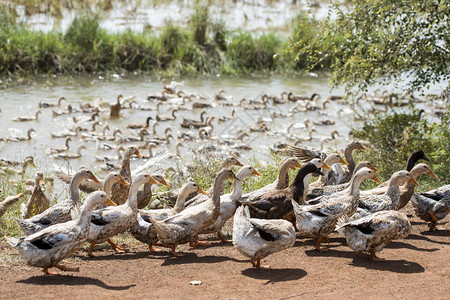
200	244
222	238
153	249
67	269
47	272
91	248
257	264
373	257
174	253
114	246
434	221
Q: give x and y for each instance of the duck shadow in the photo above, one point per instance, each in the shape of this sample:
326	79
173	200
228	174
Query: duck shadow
437	233
71	280
397	266
398	245
116	256
275	275
192	258
423	237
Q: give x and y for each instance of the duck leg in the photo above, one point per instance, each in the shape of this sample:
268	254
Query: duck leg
257	264
318	248
174	252
151	248
67	269
47	272
373	257
222	238
199	243
115	247
434	221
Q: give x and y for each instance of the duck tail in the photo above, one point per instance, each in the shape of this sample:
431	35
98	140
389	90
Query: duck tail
341	222
12	241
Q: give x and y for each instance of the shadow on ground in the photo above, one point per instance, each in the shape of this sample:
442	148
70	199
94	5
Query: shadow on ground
72	281
275	275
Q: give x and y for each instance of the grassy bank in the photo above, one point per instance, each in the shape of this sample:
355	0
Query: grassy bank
204	46
393	135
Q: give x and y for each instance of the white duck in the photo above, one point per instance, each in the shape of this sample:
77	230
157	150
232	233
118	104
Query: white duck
373	232
319	220
110	221
46	248
144	231
258	238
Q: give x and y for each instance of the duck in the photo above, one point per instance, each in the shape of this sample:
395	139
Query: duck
188	122
281	182
46	248
27	118
8	202
433	205
145	195
172	117
407	189
143	229
304	154
330	160
185	226
319	220
276	204
373	232
329	189
140	125
295	98
10	162
110	221
389	200
258	238
46	104
70	155
229	202
38	202
61	211
16	139
120	192
29	161
65	134
115	108
53	150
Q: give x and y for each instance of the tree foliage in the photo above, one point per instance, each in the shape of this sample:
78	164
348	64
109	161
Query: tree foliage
381	41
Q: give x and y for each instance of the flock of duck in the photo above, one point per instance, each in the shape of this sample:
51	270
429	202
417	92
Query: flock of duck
265	221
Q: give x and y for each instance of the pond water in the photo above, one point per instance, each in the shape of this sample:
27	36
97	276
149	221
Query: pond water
23	100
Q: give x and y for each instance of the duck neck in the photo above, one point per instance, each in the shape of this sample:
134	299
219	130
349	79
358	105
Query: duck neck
85	216
182	196
353	186
132	196
282	180
297	186
74	185
237	188
349	158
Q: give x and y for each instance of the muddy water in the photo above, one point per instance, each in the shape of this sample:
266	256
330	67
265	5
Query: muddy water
24	101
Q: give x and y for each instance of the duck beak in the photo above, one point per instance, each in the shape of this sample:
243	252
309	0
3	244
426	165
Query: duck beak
342	161
201	191
110	202
430	173
41	181
124	182
297	165
139	154
94	179
153	181
375	178
363	148
238	163
413	181
255	172
325	166
425	158
374	169
163	181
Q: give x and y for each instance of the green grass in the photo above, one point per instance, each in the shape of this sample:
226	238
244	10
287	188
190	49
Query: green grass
202	47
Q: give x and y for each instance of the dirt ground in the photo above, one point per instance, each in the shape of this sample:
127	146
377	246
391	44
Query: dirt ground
417	267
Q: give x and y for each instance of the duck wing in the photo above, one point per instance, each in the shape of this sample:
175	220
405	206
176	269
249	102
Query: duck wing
305	154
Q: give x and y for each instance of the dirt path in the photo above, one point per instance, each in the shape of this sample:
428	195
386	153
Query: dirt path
416	267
